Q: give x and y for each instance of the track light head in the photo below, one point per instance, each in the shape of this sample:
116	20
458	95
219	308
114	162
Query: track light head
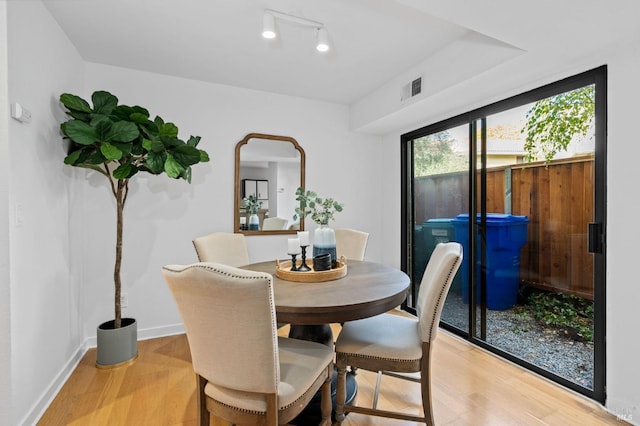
269	26
323	40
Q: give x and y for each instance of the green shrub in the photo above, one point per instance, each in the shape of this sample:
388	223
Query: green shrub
570	314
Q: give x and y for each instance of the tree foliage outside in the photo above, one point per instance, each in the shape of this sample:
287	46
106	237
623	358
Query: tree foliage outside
434	154
505	131
552	123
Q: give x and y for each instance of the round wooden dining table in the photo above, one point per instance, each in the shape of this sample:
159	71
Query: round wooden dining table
366	290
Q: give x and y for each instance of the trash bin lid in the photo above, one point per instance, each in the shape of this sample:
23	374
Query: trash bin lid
495	219
439	220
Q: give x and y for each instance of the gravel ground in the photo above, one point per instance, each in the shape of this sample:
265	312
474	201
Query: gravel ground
523	337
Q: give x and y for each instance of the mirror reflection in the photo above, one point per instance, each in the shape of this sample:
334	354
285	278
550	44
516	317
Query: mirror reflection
268	170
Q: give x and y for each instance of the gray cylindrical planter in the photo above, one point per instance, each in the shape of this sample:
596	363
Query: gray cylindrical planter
117	346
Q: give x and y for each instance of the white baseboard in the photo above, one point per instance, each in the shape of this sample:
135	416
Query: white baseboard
41	405
164	331
147	333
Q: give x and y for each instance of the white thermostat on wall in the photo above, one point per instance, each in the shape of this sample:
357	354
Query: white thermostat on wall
20	113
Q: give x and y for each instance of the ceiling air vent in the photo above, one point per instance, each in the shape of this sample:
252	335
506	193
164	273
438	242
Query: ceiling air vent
412	89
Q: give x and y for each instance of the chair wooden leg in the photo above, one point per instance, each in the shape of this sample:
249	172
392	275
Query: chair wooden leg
272	409
326	406
341	388
425	384
204	417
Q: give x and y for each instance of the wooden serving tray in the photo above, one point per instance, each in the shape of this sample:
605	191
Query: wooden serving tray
283	271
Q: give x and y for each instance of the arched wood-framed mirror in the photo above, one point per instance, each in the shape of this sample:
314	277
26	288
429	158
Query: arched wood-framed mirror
271	168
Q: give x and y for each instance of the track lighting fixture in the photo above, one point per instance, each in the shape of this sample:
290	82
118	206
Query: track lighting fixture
269	27
323	40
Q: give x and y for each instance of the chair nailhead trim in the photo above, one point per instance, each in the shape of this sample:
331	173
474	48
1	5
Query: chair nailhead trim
269	277
244	410
434	324
379	358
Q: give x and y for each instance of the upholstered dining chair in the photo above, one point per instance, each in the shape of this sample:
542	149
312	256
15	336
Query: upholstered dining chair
351	243
245	373
391	344
274	224
222	247
295	226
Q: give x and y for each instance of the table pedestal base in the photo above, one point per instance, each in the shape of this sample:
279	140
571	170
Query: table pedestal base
315	333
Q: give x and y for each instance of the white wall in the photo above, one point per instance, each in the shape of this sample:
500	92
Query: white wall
458	61
623	234
45	314
5	293
163	216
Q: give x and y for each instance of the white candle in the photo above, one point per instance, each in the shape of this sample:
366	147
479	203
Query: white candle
304	238
294	245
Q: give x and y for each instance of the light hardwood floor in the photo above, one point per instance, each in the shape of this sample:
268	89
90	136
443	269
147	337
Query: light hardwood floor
471	387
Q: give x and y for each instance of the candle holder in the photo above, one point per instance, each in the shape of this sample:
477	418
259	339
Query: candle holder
293	262
303	266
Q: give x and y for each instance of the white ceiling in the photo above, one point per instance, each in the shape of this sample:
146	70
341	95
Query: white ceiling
373	41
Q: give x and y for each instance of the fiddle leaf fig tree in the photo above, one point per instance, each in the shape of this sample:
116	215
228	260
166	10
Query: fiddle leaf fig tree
120	141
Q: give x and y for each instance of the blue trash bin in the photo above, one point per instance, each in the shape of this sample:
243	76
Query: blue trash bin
439	230
505	236
419	253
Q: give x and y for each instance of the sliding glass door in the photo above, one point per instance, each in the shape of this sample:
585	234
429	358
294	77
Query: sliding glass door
520	184
439	187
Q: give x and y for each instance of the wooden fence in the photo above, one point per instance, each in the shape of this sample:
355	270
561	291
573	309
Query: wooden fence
557	199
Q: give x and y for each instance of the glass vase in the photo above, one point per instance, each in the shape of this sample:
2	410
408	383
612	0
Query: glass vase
254	222
324	241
